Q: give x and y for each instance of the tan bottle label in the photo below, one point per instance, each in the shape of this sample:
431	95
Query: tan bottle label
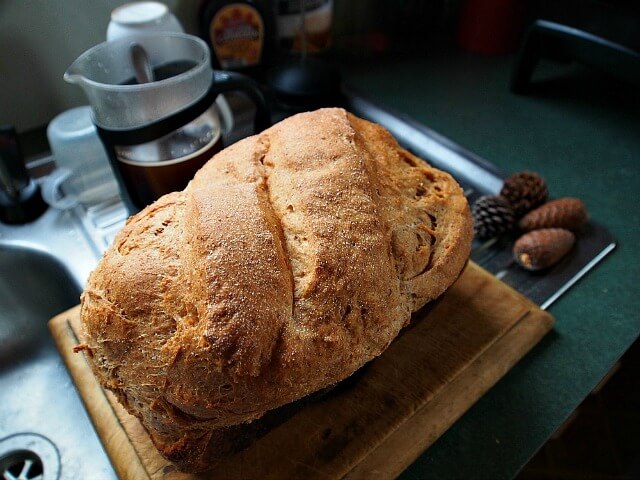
237	36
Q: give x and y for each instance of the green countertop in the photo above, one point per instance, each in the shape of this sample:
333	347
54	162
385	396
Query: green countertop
581	131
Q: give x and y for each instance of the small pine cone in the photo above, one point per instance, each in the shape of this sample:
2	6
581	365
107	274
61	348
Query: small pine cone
492	216
569	213
540	249
524	191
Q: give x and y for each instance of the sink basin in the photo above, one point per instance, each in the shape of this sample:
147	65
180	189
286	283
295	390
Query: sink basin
45	432
33	287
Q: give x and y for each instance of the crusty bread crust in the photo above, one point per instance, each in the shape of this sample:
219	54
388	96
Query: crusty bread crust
292	258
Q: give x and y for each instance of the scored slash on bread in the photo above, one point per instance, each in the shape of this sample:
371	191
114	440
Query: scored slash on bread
292	258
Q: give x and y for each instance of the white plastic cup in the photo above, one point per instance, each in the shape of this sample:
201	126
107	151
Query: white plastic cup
83	173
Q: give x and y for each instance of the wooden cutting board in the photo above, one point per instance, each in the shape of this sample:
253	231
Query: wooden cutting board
375	425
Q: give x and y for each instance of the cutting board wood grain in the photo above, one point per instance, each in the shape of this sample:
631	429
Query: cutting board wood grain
374	425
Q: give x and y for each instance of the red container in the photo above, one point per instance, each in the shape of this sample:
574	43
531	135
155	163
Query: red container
490	26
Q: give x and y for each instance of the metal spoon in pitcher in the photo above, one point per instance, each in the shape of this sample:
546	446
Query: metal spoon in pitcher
141	64
144	74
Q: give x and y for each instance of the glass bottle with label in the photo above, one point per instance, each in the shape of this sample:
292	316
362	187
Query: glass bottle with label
241	34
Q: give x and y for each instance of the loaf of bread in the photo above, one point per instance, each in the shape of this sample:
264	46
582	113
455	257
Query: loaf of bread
291	259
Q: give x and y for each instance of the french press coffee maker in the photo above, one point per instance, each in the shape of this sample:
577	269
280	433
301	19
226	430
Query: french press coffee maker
158	130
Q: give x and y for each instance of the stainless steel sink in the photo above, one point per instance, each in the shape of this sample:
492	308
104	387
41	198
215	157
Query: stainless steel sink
44	429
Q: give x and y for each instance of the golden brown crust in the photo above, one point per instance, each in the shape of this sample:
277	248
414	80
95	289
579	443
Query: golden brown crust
292	258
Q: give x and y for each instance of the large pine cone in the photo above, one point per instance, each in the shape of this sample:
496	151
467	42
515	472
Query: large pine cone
541	249
525	191
492	216
569	213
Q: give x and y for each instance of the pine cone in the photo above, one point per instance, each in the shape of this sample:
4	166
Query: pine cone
524	191
542	248
492	216
569	213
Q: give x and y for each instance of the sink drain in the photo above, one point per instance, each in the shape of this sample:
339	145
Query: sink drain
21	465
28	456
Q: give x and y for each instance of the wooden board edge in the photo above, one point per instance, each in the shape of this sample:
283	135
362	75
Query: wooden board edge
116	442
405	444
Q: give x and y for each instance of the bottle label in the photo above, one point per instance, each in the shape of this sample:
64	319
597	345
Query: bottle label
237	36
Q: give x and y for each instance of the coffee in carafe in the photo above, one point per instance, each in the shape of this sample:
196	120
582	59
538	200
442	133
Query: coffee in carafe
165	165
158	133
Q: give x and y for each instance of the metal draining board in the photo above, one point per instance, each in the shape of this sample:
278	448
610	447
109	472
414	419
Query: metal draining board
479	177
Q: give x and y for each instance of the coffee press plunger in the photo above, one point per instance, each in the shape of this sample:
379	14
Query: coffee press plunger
158	133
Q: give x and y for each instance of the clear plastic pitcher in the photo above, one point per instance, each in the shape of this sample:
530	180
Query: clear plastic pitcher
160	132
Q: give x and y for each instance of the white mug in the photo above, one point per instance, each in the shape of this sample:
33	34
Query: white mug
139	18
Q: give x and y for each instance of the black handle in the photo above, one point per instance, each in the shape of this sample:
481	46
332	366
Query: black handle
545	38
13	172
221	82
20	199
231	81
